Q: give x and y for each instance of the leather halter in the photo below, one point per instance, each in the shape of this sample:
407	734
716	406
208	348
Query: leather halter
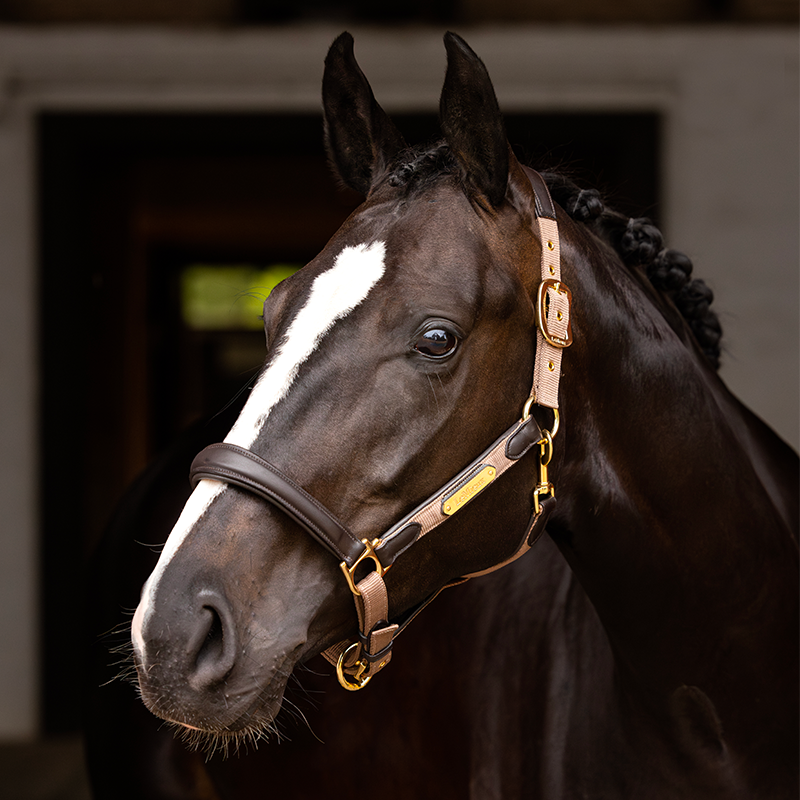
357	661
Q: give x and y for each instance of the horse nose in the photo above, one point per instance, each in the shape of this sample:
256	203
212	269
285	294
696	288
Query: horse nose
191	641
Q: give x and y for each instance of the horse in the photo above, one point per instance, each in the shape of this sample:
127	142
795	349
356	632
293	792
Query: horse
482	362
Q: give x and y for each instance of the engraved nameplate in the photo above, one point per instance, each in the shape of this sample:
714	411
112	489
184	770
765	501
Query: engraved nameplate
463	494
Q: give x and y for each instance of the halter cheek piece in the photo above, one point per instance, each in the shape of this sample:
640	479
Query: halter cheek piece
358	660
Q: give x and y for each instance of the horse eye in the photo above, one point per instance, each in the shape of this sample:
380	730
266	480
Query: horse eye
436	343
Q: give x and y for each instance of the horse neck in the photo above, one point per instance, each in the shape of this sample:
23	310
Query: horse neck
666	507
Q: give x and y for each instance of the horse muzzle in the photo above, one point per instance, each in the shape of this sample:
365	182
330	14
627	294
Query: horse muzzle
202	666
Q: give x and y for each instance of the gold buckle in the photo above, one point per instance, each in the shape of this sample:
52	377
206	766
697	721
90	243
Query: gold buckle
541	313
355	682
369	552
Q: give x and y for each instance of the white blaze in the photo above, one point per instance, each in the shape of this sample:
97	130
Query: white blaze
334	294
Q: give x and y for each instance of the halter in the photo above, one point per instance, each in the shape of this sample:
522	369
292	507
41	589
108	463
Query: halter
358	660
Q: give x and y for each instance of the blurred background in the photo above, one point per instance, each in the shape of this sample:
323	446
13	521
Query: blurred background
161	167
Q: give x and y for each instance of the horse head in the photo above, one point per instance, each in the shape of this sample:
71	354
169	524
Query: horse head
394	358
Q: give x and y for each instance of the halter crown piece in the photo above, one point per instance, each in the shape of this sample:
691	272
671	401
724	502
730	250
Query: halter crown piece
359	659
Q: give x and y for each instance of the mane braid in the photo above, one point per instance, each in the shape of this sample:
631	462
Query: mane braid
639	243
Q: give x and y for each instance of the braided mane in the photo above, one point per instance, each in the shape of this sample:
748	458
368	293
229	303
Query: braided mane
637	241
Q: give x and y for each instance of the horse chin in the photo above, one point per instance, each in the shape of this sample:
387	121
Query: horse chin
214	735
239	712
225	742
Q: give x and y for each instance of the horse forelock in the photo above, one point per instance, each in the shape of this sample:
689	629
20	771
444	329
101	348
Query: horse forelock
418	166
636	241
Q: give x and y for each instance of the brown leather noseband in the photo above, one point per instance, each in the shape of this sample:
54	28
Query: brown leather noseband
243	468
357	661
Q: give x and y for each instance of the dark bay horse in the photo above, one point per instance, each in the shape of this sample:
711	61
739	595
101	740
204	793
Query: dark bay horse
646	648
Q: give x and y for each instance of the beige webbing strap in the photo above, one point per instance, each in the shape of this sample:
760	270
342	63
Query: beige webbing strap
553	329
372	607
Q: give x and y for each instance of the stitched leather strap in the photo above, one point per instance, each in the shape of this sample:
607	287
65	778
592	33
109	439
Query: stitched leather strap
376	649
227	462
543	202
532	533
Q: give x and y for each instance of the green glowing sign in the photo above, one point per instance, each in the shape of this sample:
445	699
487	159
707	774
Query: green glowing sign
228	297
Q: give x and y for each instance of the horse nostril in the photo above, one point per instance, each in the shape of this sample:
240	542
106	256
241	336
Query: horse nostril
212	647
215	645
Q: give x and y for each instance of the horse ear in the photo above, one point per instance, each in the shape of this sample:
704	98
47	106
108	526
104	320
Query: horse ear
471	121
360	138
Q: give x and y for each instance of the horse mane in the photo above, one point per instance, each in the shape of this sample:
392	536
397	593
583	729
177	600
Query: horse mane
637	241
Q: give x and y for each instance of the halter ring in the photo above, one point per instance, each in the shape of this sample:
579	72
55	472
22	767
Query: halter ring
526	409
526	413
355	682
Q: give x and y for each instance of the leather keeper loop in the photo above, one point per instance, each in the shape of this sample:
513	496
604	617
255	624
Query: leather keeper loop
374	658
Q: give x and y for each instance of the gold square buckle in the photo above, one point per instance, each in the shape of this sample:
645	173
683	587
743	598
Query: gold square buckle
542	308
369	553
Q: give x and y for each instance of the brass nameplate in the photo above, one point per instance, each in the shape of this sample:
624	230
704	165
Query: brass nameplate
474	486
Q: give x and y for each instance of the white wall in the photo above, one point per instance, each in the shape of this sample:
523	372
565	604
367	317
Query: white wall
730	103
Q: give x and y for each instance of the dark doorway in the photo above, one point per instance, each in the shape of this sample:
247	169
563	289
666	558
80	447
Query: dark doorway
130	204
